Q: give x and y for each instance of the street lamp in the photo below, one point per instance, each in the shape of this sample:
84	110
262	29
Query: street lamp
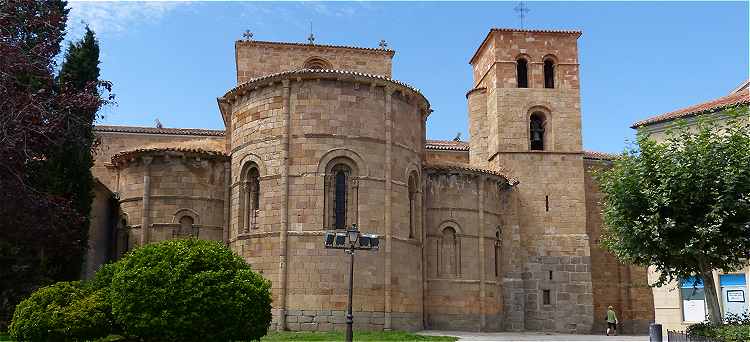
350	241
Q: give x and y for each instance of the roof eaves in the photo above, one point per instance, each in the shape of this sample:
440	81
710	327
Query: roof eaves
388	52
156	130
456	167
124	155
595	155
325	72
679	114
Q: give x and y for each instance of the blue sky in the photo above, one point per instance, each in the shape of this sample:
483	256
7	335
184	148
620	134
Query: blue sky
171	60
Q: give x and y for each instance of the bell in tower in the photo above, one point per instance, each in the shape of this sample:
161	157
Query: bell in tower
536	131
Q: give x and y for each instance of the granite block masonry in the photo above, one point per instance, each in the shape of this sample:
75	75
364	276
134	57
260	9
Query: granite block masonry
495	234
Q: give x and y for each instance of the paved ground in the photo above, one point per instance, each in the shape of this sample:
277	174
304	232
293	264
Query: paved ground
531	336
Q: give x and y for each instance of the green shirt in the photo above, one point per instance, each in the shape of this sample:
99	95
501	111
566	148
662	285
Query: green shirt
611	316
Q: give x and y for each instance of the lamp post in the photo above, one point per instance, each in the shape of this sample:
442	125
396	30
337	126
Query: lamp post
350	241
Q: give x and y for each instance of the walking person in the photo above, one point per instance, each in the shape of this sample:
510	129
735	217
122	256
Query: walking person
611	321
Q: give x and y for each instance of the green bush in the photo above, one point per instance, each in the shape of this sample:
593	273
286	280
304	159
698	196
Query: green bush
736	328
733	333
181	290
189	290
60	312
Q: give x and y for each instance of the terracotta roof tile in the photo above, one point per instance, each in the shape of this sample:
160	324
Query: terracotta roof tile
463	167
156	130
330	72
741	97
292	44
594	155
446	145
125	155
505	29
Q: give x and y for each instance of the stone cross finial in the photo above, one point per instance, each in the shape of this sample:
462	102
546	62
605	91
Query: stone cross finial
521	9
247	35
383	44
311	38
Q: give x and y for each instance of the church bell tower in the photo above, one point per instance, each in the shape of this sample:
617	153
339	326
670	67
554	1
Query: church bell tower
525	119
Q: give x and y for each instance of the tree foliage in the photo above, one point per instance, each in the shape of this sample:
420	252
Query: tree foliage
66	171
189	290
62	312
683	205
40	238
181	290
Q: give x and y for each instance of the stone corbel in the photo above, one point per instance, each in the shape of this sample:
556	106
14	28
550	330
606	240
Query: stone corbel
147	160
389	90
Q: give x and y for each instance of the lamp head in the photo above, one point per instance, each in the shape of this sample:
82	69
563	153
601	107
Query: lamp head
353	234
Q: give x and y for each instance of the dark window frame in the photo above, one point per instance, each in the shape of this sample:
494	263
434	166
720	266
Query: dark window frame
522	73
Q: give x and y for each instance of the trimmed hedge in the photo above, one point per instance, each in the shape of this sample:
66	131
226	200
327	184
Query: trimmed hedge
61	312
189	290
179	290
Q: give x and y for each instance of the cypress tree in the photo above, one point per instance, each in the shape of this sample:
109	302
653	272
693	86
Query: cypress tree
67	171
39	229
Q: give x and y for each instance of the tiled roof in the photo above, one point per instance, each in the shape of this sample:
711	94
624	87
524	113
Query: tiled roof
598	155
741	97
446	145
125	155
505	29
452	145
742	86
261	42
500	29
463	167
331	72
156	130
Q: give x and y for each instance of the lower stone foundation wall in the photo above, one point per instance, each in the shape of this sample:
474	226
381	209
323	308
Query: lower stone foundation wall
493	323
567	279
335	320
460	322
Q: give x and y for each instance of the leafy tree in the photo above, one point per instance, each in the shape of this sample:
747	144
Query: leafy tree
66	171
36	239
683	205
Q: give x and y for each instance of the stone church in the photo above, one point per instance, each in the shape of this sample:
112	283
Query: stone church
499	233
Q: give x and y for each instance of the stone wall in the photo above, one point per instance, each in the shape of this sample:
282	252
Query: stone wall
256	59
478	127
157	188
113	142
621	286
556	273
102	231
295	130
477	249
446	156
465	254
